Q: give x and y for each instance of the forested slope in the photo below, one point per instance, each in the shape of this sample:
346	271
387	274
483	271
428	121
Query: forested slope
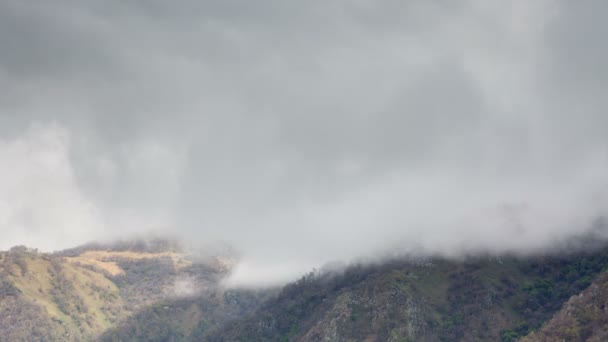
483	298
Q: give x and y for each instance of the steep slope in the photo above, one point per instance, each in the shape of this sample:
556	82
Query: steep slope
583	318
78	294
480	299
190	318
73	301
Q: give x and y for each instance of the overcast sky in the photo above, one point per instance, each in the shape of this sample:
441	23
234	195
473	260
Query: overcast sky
303	132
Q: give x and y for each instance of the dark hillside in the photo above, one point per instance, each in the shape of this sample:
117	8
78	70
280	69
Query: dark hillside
583	318
439	300
187	319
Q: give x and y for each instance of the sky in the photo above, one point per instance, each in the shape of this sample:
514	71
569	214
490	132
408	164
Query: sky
304	132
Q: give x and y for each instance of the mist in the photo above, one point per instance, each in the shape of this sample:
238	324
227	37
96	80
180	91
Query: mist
304	133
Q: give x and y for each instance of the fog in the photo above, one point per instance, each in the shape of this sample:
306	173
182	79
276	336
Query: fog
304	132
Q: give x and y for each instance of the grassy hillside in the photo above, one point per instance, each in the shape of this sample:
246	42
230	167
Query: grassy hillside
76	302
81	293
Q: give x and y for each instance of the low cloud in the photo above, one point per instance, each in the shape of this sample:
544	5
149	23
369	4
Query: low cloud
185	286
304	133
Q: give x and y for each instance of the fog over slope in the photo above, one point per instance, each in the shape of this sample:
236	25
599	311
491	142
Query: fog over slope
304	132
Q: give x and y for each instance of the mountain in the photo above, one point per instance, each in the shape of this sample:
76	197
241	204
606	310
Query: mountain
155	291
79	294
477	299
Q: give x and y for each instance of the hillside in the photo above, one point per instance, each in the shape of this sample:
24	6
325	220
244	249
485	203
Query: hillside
479	299
187	319
157	292
583	318
79	294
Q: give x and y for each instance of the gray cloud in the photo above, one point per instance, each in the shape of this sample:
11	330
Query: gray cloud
305	132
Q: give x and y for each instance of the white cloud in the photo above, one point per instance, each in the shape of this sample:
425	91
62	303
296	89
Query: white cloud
41	204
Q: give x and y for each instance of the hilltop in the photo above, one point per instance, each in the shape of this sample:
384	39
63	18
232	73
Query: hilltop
80	293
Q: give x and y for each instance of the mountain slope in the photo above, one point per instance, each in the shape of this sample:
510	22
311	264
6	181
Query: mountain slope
187	319
583	318
480	299
81	293
155	292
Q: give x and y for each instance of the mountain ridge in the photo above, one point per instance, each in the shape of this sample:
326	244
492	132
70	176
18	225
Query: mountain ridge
139	291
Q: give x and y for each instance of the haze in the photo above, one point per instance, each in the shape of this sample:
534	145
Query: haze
304	132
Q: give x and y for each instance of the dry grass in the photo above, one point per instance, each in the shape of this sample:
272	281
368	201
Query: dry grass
103	259
109	266
36	286
98	294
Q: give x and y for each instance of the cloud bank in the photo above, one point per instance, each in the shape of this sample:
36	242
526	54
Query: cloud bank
304	132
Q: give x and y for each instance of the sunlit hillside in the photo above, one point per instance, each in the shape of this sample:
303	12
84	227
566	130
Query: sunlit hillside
80	296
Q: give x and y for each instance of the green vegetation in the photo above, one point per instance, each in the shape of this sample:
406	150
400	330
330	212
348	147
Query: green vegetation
582	318
435	300
187	319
